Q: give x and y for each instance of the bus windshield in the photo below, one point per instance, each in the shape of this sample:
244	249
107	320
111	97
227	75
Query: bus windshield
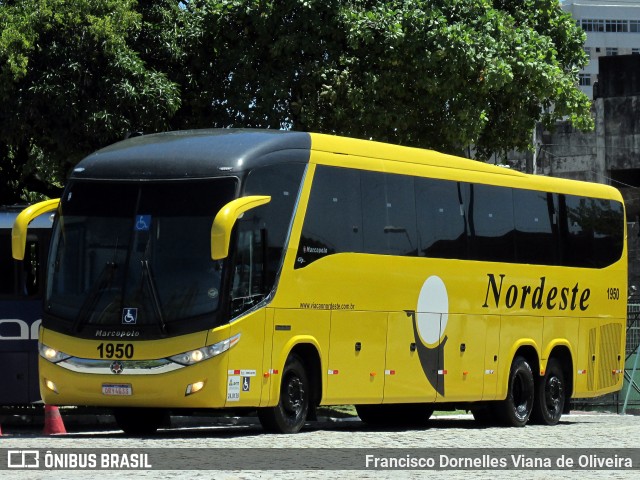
136	254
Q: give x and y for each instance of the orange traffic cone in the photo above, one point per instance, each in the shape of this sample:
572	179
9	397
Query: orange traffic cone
52	421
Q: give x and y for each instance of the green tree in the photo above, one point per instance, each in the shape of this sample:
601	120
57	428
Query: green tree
442	74
439	74
69	83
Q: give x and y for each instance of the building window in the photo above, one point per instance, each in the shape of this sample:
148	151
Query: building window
590	25
616	25
587	50
634	26
635	51
612	51
585	80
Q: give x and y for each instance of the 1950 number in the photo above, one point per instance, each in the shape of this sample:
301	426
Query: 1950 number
613	293
115	350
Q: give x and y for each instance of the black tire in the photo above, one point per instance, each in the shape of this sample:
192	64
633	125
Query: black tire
395	414
140	421
550	396
515	410
290	414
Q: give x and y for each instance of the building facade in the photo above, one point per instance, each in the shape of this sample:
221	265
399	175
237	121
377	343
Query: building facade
612	28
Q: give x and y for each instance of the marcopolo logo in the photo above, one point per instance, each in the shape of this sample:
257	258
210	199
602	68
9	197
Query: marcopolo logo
320	250
503	293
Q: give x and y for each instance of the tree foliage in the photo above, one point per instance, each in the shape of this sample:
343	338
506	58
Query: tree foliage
71	81
443	74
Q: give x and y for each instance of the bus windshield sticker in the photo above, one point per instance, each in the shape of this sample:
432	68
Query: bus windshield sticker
233	389
129	316
143	223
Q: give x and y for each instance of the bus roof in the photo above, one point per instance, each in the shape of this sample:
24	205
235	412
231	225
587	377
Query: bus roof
218	152
193	154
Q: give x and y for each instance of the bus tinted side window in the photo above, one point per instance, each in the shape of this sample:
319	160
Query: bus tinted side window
490	216
441	223
578	231
333	220
608	231
388	214
592	231
282	183
536	227
456	220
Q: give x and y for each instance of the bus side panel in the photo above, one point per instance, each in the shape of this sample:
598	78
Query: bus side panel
464	354
405	380
516	332
600	366
491	357
245	377
356	357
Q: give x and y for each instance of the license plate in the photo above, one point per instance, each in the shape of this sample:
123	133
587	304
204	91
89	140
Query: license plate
122	389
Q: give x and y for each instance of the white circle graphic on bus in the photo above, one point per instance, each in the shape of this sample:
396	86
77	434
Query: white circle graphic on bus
433	310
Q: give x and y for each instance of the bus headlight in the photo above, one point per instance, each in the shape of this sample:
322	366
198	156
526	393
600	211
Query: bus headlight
51	354
204	353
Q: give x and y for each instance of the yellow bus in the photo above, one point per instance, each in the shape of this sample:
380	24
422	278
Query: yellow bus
280	271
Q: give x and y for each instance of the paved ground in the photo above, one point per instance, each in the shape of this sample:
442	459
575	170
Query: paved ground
577	431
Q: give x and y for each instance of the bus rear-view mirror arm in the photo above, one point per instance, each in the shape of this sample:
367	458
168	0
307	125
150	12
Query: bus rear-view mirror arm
21	224
226	219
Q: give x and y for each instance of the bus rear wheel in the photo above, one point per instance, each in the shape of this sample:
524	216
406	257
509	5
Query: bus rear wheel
515	410
140	421
550	396
290	414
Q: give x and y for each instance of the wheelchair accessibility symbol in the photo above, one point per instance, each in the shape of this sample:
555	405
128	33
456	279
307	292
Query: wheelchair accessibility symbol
129	316
143	223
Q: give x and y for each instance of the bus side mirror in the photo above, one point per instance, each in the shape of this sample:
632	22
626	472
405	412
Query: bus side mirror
21	224
226	219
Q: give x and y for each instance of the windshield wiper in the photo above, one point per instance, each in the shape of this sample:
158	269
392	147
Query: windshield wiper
148	276
103	282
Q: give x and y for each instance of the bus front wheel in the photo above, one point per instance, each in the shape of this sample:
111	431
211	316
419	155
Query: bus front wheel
550	396
290	414
515	410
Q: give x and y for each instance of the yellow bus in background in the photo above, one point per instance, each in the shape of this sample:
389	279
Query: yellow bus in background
280	271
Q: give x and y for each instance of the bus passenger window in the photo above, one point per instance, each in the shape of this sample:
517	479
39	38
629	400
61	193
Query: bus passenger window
441	223
592	230
282	183
491	227
608	231
248	282
579	220
333	221
388	214
534	214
